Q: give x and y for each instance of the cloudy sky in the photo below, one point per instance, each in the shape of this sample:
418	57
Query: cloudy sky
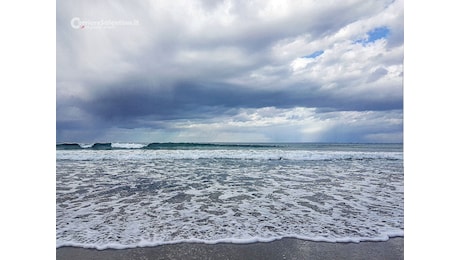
229	71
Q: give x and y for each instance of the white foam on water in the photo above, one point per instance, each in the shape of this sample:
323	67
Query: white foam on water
135	198
224	154
128	145
144	243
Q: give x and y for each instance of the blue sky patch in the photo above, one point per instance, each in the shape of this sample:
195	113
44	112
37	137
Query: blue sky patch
313	55
374	35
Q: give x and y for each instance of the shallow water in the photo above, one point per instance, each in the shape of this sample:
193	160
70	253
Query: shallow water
138	197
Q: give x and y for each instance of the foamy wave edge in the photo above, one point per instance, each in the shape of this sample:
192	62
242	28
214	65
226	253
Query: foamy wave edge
145	243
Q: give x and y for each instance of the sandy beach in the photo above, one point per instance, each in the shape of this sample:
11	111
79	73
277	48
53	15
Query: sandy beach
288	248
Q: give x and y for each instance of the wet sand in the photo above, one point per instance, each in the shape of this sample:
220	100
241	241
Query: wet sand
287	248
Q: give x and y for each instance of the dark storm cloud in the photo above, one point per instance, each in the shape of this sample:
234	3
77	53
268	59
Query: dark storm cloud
122	102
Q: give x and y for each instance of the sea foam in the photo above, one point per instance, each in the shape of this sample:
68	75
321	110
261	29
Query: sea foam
135	197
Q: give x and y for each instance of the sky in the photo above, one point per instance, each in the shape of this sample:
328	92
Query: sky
229	71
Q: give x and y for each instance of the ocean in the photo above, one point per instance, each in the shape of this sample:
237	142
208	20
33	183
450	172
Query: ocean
124	195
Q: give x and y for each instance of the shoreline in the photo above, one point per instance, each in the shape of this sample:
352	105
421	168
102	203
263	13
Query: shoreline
286	248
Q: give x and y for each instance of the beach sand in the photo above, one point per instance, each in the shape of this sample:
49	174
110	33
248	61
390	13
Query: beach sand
287	248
